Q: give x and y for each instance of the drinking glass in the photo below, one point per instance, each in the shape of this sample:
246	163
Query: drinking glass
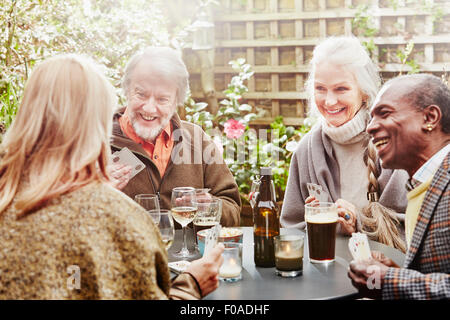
254	191
289	255
184	209
231	268
208	214
151	204
166	227
321	221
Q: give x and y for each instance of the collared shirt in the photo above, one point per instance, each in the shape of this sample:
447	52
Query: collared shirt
418	186
160	151
431	166
428	169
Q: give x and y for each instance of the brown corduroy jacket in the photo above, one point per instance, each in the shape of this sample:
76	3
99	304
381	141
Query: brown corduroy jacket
195	162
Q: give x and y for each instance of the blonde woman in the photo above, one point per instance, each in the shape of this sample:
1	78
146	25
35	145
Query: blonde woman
337	155
65	233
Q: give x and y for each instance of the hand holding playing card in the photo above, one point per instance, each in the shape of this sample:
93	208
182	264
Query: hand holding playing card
120	175
358	245
317	192
125	165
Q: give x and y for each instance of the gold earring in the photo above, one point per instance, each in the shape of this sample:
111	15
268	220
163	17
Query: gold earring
430	127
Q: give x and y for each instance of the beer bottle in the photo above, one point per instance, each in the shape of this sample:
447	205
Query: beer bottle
266	221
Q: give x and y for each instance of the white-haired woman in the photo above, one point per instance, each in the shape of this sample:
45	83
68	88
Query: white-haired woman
65	233
337	153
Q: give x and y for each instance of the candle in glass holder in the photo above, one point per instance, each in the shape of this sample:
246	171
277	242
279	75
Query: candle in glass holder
231	268
289	255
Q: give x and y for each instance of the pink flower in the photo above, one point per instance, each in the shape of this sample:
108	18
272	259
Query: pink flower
234	129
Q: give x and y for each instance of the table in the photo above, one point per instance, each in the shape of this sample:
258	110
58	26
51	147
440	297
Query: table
319	281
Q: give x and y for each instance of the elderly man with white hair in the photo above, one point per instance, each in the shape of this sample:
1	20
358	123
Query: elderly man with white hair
176	153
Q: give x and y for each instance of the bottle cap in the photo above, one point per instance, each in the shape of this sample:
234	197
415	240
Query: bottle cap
266	171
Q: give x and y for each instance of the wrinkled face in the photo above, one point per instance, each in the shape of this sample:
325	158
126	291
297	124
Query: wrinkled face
151	102
336	93
396	129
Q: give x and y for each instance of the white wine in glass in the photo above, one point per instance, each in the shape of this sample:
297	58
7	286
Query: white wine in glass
184	215
184	210
166	228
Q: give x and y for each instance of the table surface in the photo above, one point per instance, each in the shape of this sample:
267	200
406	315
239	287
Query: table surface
319	281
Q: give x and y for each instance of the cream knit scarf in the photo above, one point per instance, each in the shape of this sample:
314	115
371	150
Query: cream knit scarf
350	132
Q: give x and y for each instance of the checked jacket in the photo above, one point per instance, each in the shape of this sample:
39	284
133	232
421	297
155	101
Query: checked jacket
426	271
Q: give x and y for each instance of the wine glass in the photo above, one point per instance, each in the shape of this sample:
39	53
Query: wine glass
151	204
184	210
166	228
254	191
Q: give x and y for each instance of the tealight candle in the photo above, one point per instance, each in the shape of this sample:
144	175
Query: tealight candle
231	268
289	255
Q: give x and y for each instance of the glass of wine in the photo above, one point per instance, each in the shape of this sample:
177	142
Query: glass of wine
254	191
166	227
184	210
151	204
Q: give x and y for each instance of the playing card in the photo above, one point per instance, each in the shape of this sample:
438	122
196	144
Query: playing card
352	247
358	245
126	157
316	191
179	266
211	238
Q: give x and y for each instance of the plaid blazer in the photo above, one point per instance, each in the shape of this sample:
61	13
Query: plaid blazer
426	271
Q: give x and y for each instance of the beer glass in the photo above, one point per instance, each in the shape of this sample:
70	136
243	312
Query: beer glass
321	221
208	214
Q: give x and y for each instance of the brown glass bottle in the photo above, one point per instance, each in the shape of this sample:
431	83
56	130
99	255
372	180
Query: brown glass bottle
266	221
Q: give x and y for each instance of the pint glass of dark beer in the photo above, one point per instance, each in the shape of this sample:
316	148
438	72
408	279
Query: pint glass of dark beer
321	221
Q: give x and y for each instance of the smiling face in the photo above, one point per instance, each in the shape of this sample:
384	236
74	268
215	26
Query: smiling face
336	93
151	102
396	129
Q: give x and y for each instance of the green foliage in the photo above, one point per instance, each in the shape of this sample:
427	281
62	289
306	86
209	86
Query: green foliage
9	103
363	24
110	31
404	56
230	107
246	154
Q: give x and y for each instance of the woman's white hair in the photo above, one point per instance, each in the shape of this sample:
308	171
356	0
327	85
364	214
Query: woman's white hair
165	62
347	52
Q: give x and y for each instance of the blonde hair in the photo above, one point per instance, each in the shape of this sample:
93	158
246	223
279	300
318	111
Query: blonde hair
377	221
59	140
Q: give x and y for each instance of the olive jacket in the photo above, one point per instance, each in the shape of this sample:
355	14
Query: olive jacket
195	162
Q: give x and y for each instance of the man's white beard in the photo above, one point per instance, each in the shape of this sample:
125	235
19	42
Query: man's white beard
147	134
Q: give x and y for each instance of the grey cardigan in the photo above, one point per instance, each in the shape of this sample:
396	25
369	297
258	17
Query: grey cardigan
314	161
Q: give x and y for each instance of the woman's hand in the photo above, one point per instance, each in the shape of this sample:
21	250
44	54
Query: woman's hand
311	199
347	216
206	270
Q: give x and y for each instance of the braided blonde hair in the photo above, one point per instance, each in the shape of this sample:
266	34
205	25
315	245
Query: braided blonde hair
377	221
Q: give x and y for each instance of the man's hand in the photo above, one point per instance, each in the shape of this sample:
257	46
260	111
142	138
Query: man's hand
368	276
120	175
206	270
